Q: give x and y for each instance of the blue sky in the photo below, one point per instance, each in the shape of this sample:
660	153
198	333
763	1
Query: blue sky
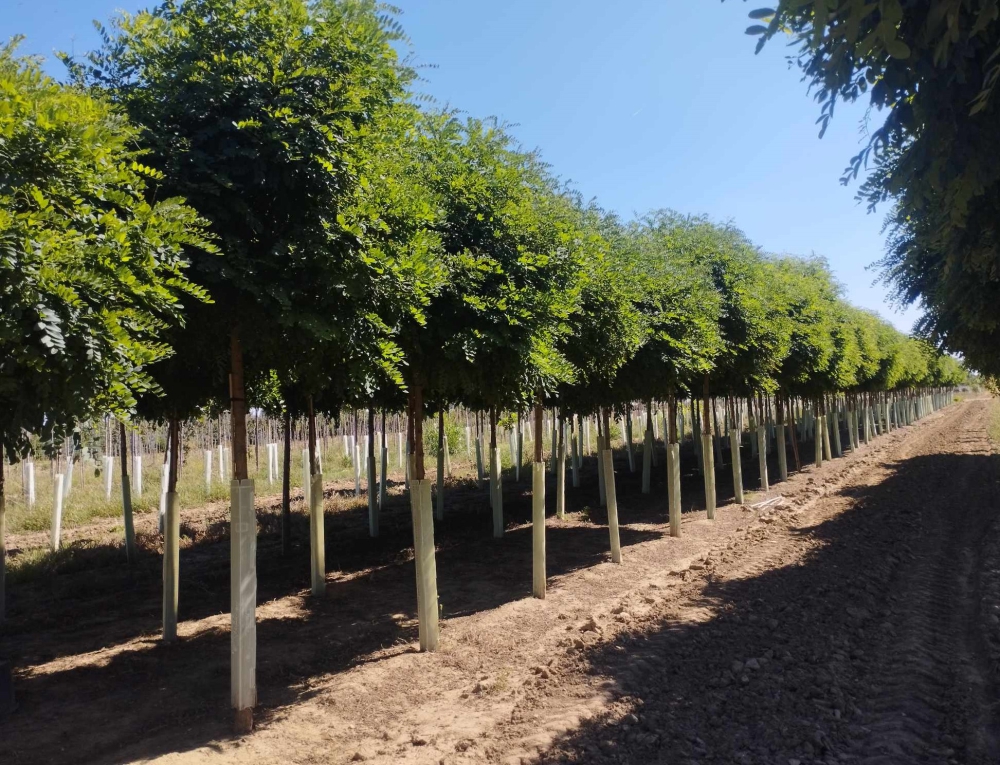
642	104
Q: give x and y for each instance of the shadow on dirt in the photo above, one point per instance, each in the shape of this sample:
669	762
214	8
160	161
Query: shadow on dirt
793	660
370	606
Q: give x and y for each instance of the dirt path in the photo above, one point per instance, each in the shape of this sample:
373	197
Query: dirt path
856	621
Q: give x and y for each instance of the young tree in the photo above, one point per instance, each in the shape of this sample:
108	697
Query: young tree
259	112
92	273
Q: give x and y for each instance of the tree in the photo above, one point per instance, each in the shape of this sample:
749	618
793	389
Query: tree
510	256
91	274
260	112
931	66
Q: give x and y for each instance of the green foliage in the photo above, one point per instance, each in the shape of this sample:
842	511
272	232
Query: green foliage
608	327
276	119
677	300
91	273
510	256
931	67
753	320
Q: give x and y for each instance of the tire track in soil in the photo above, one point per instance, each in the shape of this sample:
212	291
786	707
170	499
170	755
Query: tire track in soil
850	632
941	664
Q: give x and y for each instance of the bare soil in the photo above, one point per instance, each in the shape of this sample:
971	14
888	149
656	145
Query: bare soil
855	620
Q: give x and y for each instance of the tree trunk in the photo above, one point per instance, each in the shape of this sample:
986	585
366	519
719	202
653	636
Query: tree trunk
238	407
243	585
417	431
3	535
538	429
706	418
493	428
286	486
126	496
174	455
672	417
312	437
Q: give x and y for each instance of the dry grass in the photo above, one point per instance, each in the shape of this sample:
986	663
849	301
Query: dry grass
87	500
994	427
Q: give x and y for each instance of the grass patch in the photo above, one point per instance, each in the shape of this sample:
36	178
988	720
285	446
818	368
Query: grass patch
77	557
994	426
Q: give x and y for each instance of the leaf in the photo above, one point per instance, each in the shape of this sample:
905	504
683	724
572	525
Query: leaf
761	13
897	48
755	29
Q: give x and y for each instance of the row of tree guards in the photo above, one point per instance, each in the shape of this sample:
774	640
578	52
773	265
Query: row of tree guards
396	258
720	431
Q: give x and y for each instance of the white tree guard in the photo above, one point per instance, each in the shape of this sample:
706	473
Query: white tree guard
709	459
496	493
108	474
762	457
734	450
137	475
243	595
538	529
317	535
171	565
57	509
782	454
674	488
609	483
424	564
208	471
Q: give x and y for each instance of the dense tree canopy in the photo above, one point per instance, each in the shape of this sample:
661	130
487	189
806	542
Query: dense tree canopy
92	275
930	68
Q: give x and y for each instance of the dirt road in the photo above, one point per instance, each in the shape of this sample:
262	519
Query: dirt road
856	621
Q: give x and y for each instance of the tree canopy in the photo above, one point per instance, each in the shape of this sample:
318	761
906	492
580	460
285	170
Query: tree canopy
930	68
92	274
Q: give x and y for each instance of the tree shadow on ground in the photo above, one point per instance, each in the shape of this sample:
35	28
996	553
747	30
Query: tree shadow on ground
102	707
109	602
821	629
370	606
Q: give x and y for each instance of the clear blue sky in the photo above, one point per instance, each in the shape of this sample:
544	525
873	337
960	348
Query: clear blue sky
642	104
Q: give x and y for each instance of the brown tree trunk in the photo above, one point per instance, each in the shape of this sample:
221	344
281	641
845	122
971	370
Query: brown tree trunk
174	454
493	428
417	431
706	428
538	428
312	436
126	496
286	486
238	406
672	418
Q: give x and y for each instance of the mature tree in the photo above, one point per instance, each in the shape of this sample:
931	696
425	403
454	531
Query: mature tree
91	272
810	295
